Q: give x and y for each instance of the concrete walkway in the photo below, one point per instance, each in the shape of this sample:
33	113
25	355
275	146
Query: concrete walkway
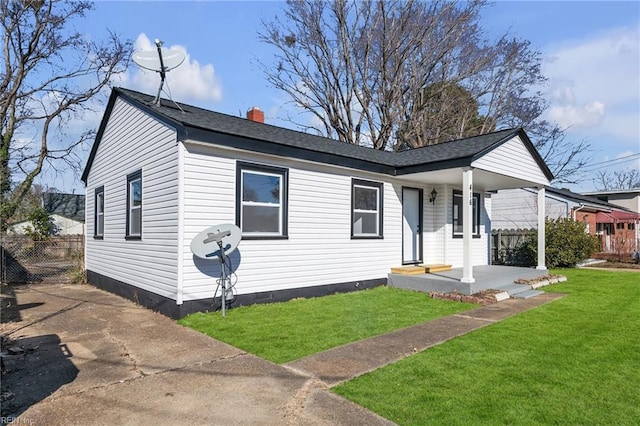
84	356
341	364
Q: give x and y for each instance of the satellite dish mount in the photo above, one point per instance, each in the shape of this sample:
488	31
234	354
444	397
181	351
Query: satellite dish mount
218	242
163	71
161	61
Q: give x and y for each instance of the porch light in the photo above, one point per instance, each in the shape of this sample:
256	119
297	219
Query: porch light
434	193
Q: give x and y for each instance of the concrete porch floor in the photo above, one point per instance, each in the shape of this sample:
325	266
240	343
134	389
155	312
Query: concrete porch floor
486	277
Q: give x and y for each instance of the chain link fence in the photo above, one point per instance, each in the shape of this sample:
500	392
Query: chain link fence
59	259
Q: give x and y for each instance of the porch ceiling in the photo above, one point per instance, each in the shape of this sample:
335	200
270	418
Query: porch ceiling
482	179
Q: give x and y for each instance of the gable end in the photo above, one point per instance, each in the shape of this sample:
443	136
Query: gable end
115	94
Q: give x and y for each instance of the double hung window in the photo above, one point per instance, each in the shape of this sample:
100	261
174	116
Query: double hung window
458	220
134	206
366	211
98	225
261	201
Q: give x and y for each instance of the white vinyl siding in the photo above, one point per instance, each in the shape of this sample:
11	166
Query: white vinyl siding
518	209
453	247
134	141
434	235
512	159
319	249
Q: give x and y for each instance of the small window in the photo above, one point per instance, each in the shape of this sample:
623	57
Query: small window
457	221
134	206
631	226
98	229
366	211
619	226
261	201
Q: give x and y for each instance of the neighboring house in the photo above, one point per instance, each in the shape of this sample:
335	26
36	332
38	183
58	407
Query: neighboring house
66	211
627	198
625	223
616	226
317	215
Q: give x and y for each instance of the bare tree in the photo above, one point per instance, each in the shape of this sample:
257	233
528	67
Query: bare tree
50	74
618	179
359	67
397	74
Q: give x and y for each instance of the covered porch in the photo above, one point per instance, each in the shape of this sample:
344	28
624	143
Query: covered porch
487	277
455	224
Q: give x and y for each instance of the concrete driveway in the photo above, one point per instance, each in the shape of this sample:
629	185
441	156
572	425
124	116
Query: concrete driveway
79	355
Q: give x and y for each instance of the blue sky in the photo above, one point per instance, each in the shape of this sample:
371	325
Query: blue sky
591	51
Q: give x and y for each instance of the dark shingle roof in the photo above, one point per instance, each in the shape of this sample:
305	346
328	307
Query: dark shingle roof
67	205
199	124
580	198
461	148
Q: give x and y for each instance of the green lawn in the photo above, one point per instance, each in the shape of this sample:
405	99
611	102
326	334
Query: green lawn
282	332
573	361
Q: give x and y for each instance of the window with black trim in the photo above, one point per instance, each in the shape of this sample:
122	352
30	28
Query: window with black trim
261	200
458	218
134	206
366	209
98	225
620	225
631	226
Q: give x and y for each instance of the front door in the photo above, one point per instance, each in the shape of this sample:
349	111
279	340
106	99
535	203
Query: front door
411	225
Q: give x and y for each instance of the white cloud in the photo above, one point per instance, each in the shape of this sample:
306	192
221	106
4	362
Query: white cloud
188	82
594	79
588	115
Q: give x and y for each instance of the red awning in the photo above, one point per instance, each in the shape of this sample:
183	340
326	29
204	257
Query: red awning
616	216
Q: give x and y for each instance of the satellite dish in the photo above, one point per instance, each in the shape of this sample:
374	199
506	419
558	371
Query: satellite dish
217	242
161	61
209	243
150	60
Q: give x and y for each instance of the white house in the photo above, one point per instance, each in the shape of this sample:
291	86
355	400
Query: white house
66	211
615	226
517	208
317	215
627	198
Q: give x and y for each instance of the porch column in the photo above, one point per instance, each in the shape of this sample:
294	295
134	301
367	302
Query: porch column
541	230
467	225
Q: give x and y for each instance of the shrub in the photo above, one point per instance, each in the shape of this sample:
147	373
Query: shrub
567	244
42	227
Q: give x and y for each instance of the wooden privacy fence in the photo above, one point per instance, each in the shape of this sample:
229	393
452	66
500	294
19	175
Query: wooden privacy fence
24	260
504	243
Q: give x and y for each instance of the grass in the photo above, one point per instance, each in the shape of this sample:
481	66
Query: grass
282	332
574	361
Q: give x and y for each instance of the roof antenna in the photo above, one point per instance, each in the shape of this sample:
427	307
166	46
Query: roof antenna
161	62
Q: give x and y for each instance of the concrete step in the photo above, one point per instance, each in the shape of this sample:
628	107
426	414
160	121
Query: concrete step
527	294
513	289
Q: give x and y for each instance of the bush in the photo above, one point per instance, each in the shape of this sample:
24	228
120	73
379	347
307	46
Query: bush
42	227
567	244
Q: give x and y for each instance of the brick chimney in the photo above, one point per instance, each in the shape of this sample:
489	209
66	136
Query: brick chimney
254	114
